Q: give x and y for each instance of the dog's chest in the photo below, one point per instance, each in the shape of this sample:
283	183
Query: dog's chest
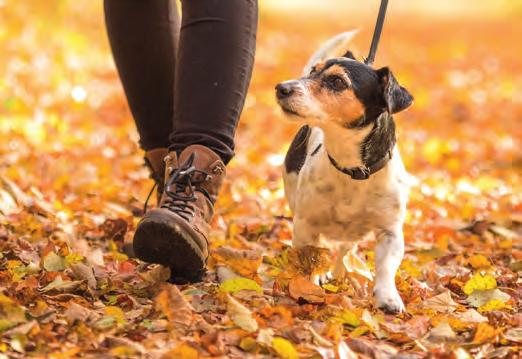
332	203
330	199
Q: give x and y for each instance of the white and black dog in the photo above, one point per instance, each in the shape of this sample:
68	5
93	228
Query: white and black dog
344	177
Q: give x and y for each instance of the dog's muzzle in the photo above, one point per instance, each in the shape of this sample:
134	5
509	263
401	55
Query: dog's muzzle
286	89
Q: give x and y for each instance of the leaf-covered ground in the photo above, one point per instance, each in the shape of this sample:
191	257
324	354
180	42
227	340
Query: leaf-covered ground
72	187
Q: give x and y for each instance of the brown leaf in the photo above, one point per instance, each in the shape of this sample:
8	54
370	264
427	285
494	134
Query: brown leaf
175	307
300	288
84	272
76	312
241	261
443	303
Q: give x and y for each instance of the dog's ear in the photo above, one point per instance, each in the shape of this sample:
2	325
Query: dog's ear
349	55
397	98
333	47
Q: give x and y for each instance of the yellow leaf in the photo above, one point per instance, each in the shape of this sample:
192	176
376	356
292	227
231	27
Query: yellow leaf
412	268
248	344
357	332
494	304
234	285
484	333
70	353
348	317
284	348
479	282
116	313
330	287
182	351
479	261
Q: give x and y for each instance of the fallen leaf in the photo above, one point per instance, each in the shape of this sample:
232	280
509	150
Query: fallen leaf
76	312
443	303
60	285
182	351
478	261
241	315
514	335
480	297
479	282
243	262
300	288
156	275
238	284
349	317
355	264
484	333
84	272
494	304
53	262
173	304
284	348
442	334
472	316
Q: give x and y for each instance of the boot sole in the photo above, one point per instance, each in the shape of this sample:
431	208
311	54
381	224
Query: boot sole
157	241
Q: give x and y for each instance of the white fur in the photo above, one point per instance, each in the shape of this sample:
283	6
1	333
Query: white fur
327	202
333	47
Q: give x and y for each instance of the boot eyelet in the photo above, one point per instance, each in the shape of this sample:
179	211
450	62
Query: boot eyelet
217	170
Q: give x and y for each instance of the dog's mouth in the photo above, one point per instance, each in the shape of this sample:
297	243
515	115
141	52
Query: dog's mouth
290	111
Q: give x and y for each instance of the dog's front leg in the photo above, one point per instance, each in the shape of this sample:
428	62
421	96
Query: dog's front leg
304	233
388	257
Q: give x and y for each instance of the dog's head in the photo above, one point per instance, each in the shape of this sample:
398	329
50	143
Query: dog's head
343	91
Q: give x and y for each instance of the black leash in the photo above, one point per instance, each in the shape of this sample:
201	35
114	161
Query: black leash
377	33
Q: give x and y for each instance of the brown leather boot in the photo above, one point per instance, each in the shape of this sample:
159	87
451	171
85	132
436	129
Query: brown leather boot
176	233
155	161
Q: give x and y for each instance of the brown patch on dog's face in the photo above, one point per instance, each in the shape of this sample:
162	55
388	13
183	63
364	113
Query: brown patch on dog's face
326	95
332	88
317	67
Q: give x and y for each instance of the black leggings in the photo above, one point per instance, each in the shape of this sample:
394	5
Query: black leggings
184	84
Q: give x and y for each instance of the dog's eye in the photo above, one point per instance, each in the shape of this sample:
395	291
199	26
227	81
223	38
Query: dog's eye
337	83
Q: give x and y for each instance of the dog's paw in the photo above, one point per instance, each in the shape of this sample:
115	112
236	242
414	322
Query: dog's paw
388	300
320	279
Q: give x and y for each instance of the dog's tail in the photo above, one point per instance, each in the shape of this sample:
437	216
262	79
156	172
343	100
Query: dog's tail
333	47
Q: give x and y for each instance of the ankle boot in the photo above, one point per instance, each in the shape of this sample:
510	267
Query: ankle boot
176	233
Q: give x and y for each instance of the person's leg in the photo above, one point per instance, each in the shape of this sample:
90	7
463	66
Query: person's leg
214	65
143	35
215	59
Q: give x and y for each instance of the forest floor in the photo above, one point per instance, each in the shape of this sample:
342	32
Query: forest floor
72	185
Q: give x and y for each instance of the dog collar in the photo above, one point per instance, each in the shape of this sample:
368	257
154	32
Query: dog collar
362	172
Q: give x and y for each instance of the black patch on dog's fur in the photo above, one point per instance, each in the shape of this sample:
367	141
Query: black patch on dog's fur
397	98
381	96
379	141
314	152
296	155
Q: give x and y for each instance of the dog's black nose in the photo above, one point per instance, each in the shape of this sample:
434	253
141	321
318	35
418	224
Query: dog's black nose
284	90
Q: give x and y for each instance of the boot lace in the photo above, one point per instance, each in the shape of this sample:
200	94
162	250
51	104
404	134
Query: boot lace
181	188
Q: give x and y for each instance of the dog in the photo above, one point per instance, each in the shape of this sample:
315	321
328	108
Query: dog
343	174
